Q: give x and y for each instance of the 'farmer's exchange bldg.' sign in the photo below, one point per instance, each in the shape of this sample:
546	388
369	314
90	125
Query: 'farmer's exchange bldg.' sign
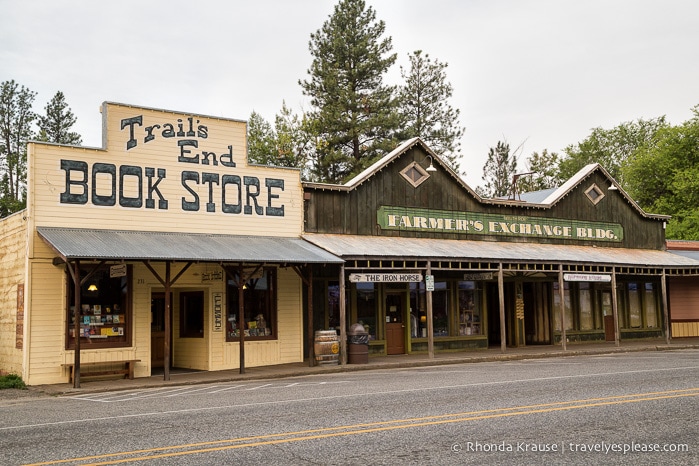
444	221
140	186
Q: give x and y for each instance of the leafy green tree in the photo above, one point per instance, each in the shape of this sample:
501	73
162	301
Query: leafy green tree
16	118
261	140
56	124
354	114
544	172
424	106
610	147
498	171
293	140
663	177
285	145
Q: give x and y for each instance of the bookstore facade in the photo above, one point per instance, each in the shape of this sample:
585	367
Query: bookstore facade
164	248
431	266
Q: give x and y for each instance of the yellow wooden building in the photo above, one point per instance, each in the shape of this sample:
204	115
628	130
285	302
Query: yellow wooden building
149	252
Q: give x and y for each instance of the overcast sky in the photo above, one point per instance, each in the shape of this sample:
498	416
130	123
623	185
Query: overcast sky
540	74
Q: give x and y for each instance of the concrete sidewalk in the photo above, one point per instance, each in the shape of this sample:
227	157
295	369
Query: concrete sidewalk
184	377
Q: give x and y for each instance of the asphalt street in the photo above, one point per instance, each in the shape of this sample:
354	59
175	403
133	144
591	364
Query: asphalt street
622	408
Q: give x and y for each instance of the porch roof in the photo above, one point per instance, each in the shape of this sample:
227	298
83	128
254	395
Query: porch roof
351	247
78	243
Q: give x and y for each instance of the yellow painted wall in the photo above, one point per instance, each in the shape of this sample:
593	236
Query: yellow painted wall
49	181
685	329
13	240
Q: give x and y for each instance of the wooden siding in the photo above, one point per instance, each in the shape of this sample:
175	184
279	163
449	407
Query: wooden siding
685	329
13	237
683	294
354	211
47	181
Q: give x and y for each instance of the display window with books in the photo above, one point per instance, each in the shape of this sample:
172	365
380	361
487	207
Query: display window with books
104	314
260	307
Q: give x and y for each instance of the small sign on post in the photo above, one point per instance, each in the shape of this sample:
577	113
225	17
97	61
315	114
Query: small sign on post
429	282
117	271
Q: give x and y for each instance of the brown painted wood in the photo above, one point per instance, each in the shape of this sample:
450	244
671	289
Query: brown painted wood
395	338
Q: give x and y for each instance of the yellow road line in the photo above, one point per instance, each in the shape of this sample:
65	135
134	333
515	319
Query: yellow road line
364	428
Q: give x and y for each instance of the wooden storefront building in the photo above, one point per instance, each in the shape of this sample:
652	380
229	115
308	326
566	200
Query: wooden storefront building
431	266
162	249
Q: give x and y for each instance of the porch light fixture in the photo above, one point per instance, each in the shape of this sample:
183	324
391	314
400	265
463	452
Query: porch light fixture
431	167
612	188
92	287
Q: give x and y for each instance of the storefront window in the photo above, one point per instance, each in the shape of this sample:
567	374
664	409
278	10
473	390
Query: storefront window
469	309
333	304
366	307
587	321
418	311
440	309
260	307
105	312
557	307
634	306
650	306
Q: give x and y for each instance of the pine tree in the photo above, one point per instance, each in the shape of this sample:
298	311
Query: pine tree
16	118
498	171
354	115
56	124
425	108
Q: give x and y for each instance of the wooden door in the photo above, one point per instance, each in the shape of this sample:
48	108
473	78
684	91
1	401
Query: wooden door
157	330
395	326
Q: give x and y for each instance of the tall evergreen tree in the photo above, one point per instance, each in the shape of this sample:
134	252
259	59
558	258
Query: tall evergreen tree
354	115
427	114
498	171
56	124
16	118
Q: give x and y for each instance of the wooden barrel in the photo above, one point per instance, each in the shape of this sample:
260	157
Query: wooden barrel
326	347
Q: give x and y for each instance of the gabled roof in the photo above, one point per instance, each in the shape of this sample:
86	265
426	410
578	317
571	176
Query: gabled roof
584	173
540	200
385	161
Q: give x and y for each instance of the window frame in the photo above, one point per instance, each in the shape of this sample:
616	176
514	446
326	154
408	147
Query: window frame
272	299
126	305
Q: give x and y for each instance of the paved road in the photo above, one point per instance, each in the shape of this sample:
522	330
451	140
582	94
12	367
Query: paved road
578	410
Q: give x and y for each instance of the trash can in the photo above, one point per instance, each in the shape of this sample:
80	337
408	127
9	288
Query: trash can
358	351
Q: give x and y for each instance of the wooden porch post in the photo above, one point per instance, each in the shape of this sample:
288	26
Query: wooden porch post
615	310
501	301
76	313
666	314
310	338
562	298
168	324
430	323
241	316
343	318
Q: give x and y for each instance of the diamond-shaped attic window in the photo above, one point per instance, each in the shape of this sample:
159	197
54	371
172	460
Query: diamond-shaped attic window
594	194
415	174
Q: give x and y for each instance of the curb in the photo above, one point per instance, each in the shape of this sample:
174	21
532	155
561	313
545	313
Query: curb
50	390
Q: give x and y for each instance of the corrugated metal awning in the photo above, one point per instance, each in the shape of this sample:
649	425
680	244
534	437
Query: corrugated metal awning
351	247
77	243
